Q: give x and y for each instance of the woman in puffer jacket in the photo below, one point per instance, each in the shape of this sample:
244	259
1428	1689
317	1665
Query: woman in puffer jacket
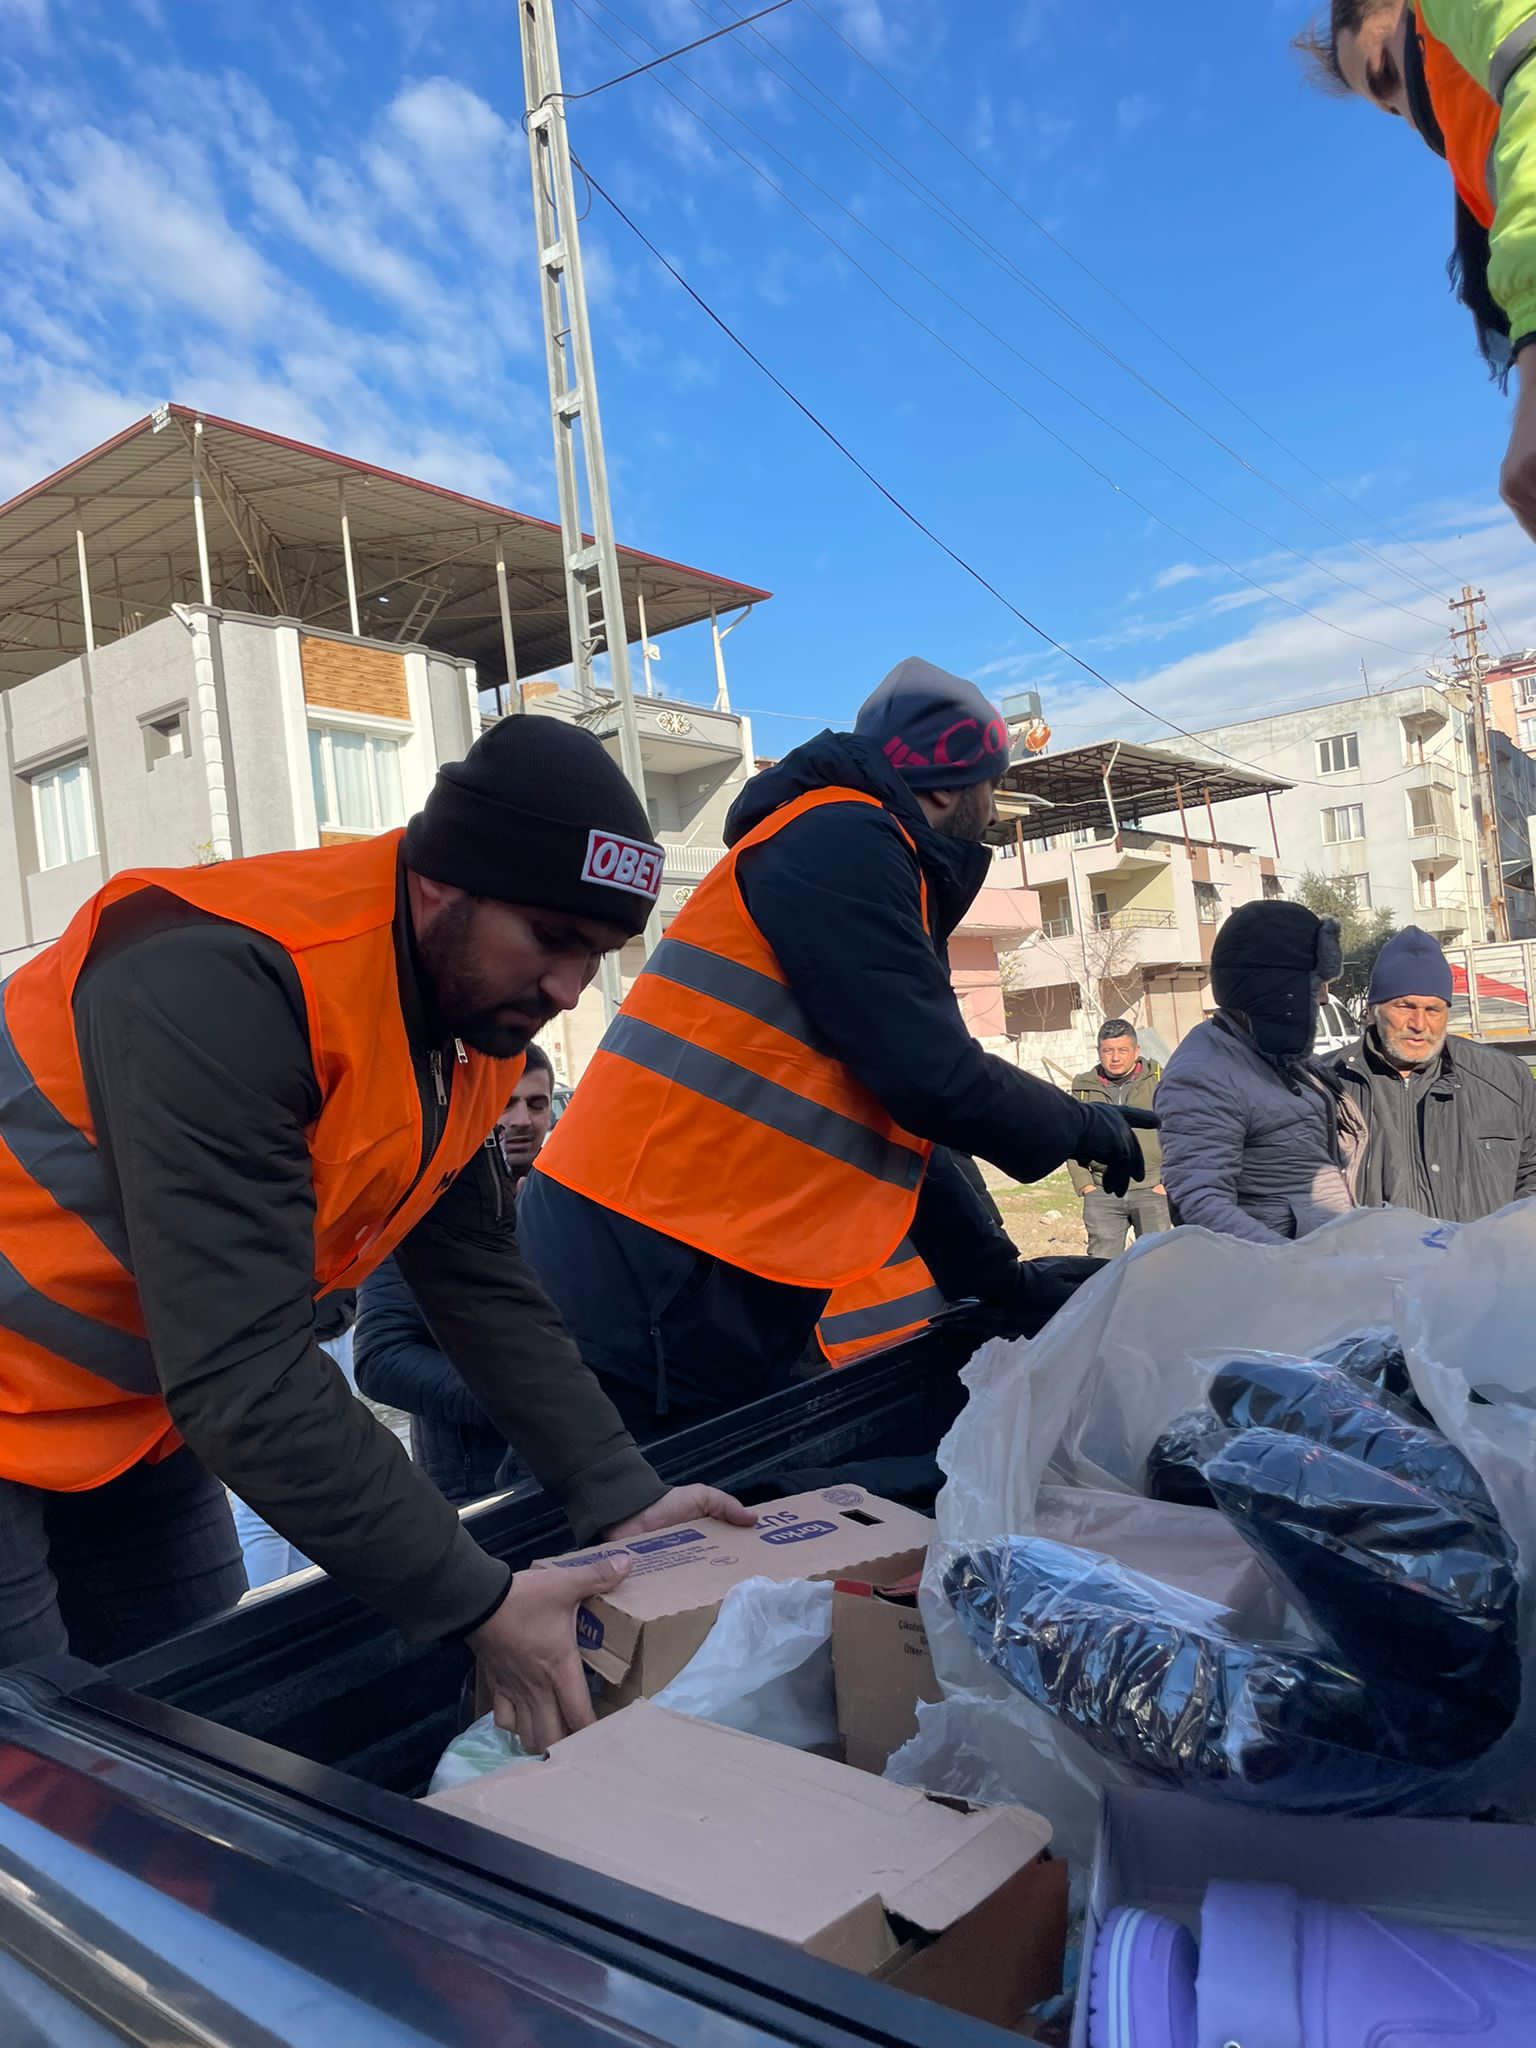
1259	1140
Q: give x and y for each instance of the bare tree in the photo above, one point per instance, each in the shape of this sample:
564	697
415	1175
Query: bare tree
1105	958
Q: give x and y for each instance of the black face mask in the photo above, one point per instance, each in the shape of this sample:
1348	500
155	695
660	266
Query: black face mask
1421	110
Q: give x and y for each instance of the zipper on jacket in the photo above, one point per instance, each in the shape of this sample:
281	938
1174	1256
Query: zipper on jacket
435	1061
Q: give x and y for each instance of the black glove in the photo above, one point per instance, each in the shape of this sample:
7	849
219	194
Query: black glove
1023	1301
1109	1141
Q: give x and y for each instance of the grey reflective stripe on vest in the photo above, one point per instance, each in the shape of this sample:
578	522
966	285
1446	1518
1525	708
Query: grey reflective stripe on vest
52	1152
854	1325
738	987
721	1081
66	1165
1510	55
95	1347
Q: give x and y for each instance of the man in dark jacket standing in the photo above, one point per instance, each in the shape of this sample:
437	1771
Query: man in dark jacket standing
1452	1124
1124	1078
401	1364
755	1128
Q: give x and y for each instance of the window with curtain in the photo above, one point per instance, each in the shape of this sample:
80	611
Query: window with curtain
1343	822
63	813
356	778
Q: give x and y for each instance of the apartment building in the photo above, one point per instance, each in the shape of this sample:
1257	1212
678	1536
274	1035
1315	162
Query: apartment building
1387	804
1509	686
1128	908
1381	802
214	642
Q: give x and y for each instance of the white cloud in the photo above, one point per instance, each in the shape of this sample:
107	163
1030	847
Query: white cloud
144	227
1180	572
1134	112
1285	658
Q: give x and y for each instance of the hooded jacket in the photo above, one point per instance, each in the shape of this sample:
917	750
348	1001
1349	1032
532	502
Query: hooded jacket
832	894
1254	1147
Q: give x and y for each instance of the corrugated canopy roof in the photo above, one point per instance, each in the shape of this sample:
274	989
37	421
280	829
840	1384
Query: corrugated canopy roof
425	557
1144	782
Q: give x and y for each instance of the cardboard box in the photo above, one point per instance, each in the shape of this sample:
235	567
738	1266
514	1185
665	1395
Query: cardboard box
882	1666
640	1636
1161	1849
958	1905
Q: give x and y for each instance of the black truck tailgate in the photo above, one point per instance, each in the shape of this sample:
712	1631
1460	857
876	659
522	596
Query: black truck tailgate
209	1844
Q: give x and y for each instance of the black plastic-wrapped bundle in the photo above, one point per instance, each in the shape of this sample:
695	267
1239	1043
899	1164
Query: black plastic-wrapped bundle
1329	1406
1413	1591
1151	1680
1174	1462
1376	1358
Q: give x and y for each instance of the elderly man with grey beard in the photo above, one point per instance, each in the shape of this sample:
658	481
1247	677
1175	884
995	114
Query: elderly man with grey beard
1452	1124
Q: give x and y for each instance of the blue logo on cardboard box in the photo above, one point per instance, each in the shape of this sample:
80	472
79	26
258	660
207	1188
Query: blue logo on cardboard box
589	1630
798	1532
668	1540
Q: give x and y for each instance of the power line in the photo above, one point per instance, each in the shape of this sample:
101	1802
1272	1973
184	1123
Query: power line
913	519
1064	441
668	56
901	174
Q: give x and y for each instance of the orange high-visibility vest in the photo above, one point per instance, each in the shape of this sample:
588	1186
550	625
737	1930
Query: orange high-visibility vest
712	1112
79	1396
1468	115
883	1309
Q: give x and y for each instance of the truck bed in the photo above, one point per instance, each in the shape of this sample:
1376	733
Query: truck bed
209	1843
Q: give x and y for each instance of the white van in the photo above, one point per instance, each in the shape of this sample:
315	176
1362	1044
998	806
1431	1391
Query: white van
1335	1028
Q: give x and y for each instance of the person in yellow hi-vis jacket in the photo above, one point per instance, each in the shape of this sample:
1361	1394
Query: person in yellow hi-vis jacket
1459	71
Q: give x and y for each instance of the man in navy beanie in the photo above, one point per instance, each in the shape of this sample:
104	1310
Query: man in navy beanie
1452	1124
785	1062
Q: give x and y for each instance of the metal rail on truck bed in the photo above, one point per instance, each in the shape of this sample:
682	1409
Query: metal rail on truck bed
167	1879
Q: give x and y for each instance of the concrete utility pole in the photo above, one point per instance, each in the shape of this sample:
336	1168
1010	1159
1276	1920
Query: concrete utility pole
1471	666
594	596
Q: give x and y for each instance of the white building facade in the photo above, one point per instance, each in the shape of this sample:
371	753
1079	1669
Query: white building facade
1383	803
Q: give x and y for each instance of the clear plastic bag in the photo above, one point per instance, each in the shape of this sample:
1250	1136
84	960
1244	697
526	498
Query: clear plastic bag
479	1750
766	1666
1083	1404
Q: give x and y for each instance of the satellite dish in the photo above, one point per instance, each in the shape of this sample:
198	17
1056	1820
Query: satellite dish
1038	737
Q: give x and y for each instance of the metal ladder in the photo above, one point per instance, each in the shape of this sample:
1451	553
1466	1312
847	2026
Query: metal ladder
593	593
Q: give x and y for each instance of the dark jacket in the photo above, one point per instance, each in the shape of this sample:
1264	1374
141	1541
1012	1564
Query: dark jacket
1253	1147
1134	1092
1470	1124
398	1362
202	1091
836	895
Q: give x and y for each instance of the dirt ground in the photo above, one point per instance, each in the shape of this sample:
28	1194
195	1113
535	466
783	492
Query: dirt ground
1044	1219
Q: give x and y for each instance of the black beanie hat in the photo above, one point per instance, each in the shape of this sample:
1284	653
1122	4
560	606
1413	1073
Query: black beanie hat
936	730
1270	961
537	813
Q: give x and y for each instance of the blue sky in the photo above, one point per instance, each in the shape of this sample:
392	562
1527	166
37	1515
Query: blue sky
316	219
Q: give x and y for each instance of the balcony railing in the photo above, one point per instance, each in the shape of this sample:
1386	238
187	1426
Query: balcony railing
1135	921
1433	843
1057	927
693	863
1431	775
